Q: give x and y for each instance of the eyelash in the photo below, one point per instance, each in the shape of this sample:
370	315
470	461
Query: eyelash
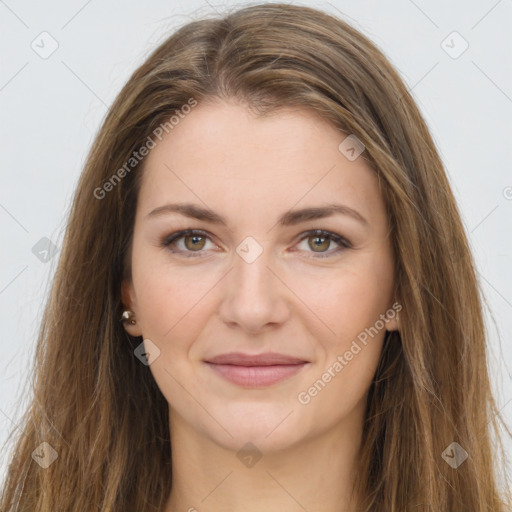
175	237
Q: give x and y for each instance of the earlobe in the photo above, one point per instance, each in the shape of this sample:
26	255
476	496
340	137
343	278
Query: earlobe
393	323
128	317
130	323
392	320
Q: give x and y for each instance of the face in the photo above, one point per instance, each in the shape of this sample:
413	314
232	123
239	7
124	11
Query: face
251	277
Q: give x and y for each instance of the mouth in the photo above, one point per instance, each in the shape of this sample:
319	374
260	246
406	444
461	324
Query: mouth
256	370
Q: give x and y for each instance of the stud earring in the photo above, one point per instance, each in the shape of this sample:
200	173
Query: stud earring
128	316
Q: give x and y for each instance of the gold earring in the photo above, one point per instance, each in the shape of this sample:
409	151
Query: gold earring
128	316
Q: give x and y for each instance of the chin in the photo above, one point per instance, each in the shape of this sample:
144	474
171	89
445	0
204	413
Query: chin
268	428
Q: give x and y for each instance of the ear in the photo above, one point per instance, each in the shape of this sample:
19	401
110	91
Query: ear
391	316
392	324
130	303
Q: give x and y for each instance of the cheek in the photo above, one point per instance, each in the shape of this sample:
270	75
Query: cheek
351	305
173	311
169	304
174	304
345	302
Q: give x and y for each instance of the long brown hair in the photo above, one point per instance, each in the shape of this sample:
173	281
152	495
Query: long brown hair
99	408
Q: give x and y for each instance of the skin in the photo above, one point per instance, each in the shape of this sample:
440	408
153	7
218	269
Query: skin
289	300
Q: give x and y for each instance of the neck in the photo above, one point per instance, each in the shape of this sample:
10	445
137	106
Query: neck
317	474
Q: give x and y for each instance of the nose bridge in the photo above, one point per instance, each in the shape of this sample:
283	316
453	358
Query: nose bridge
253	295
251	275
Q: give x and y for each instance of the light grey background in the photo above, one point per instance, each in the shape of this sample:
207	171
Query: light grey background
51	108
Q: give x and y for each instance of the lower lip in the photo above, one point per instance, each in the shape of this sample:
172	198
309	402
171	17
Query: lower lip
256	376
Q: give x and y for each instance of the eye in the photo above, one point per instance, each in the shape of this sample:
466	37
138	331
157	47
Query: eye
319	241
194	241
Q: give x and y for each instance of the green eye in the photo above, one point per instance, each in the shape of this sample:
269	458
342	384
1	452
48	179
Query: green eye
197	242
319	242
194	241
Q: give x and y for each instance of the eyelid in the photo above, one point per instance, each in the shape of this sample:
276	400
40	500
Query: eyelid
178	235
342	241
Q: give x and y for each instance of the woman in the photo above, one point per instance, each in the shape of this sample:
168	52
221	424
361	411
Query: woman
265	298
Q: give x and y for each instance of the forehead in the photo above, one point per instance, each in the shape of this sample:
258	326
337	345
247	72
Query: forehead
226	157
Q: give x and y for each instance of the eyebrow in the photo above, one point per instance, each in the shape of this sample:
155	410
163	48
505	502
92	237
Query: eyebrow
289	218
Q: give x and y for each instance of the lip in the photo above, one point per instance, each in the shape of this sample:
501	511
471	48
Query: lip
265	359
256	370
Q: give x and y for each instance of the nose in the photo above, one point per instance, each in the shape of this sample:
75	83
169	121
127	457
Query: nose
253	296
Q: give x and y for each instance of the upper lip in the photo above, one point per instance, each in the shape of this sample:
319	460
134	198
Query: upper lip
266	359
